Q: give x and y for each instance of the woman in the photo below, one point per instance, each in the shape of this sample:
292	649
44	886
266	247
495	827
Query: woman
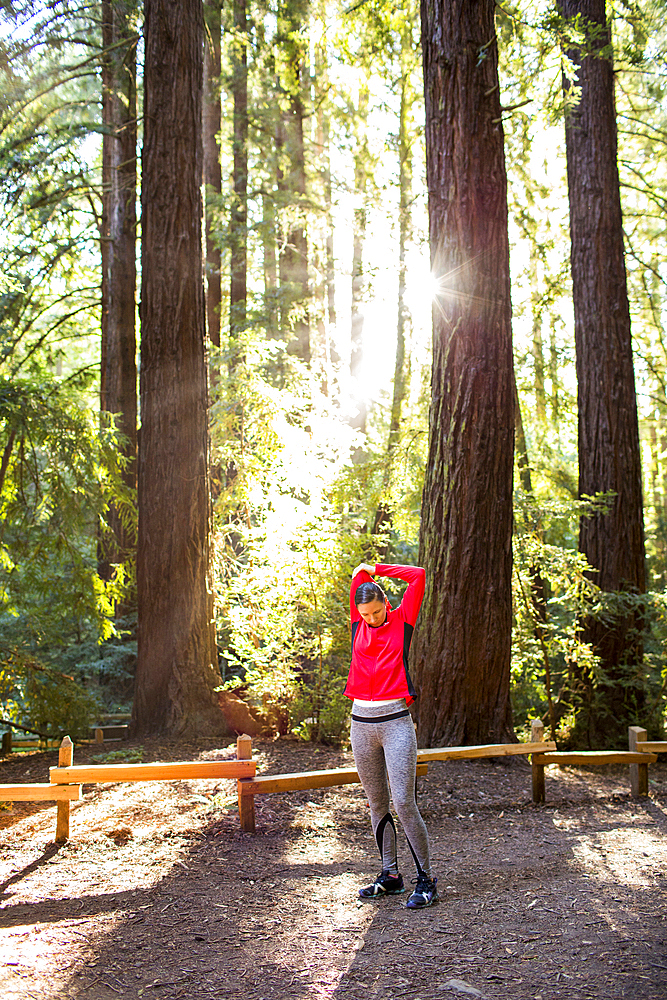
383	735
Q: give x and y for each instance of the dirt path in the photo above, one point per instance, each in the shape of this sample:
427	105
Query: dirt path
159	895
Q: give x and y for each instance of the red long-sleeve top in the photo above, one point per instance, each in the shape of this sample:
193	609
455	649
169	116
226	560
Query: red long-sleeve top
379	668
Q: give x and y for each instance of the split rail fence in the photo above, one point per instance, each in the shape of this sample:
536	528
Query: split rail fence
66	780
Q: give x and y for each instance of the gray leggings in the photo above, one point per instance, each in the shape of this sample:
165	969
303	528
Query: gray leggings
389	749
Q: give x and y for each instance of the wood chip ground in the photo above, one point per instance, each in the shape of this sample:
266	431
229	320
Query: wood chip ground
159	895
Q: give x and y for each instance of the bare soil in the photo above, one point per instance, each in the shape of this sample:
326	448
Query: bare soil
159	895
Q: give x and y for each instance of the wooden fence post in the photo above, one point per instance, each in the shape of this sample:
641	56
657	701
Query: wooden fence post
537	736
638	772
99	735
65	759
246	802
7	742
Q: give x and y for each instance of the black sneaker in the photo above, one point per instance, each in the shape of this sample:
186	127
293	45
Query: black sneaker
385	884
425	893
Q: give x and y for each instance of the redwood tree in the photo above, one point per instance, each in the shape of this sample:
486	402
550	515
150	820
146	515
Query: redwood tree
118	376
177	665
609	456
212	123
361	163
461	654
291	46
238	225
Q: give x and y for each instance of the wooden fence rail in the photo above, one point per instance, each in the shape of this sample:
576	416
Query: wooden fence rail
66	779
271	783
35	792
173	771
638	757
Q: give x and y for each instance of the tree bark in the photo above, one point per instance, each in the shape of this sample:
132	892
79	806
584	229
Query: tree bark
270	265
461	654
239	214
119	272
212	123
358	283
609	455
177	663
325	289
538	348
383	514
293	261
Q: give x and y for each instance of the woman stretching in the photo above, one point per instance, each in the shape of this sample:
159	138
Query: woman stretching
383	735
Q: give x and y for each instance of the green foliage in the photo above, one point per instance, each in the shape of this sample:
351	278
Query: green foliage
43	698
59	475
132	755
60	472
552	594
555	674
289	529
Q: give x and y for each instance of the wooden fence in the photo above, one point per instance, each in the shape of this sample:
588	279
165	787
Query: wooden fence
67	778
639	755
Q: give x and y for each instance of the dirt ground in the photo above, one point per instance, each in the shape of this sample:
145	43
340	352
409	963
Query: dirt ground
159	895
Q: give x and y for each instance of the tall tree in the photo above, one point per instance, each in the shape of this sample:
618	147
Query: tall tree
293	261
609	456
406	137
324	292
461	653
212	170
177	661
238	229
118	379
360	116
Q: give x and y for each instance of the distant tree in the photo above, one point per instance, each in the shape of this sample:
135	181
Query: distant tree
326	285
238	229
177	661
291	50
361	168
609	455
407	61
212	169
461	654
118	376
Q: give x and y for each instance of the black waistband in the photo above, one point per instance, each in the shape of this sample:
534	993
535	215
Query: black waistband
380	718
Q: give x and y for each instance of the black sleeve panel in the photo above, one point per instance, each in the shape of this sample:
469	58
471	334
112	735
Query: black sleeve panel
407	639
355	626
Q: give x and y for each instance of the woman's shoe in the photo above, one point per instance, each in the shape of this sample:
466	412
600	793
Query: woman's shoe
385	884
425	893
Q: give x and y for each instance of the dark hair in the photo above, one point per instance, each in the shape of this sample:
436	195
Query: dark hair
367	592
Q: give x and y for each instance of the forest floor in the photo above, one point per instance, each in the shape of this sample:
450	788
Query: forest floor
159	895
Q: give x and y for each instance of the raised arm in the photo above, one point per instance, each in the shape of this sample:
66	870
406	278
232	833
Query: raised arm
415	577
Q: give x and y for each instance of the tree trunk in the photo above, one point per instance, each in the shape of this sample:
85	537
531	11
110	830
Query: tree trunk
177	664
358	283
293	261
330	258
521	448
270	266
383	515
212	123
119	273
461	653
609	456
326	297
554	376
239	214
538	348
